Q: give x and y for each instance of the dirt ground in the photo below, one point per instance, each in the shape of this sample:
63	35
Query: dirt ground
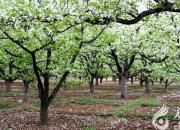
76	109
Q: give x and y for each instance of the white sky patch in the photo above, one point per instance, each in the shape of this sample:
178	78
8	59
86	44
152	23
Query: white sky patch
141	8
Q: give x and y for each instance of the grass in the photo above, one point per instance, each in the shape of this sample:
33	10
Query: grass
36	103
57	102
91	101
10	94
131	106
149	102
89	128
6	105
117	113
122	111
150	117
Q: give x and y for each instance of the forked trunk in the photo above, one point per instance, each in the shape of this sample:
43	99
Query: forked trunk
8	85
123	86
91	86
147	86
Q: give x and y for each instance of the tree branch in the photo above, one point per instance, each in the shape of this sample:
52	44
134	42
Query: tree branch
17	42
139	17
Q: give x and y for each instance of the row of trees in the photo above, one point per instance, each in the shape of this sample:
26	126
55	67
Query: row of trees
42	40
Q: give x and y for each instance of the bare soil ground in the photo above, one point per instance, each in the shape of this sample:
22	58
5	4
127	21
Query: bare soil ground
76	109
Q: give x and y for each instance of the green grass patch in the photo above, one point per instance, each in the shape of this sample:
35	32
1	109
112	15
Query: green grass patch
6	105
150	117
147	102
89	128
91	101
36	103
10	94
131	106
117	113
57	102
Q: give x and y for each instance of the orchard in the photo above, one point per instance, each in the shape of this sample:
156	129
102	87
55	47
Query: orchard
89	64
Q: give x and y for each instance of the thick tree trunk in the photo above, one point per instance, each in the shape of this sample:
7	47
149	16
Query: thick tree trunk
44	113
132	80
106	79
25	91
97	82
8	85
91	86
123	86
147	86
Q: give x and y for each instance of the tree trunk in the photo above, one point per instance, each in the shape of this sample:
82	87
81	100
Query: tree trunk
152	81
132	78
166	84
101	79
123	86
156	80
141	82
161	79
8	85
115	79
97	81
147	86
91	86
135	79
44	113
25	91
119	81
106	79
